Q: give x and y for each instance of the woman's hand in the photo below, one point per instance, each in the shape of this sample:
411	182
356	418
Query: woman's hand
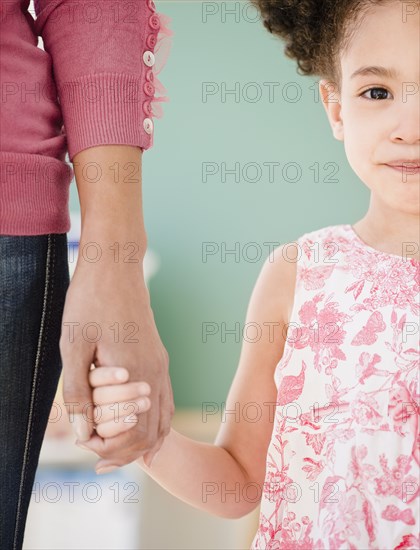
108	322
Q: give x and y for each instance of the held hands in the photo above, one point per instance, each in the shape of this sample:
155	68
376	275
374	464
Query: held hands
118	404
107	321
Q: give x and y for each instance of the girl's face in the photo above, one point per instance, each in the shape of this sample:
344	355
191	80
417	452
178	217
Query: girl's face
382	126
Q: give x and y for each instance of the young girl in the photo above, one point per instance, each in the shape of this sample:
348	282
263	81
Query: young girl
321	423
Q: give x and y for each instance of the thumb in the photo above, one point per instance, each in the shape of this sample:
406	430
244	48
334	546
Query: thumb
98	446
77	394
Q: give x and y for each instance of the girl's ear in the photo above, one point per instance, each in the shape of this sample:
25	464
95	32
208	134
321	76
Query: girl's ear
330	97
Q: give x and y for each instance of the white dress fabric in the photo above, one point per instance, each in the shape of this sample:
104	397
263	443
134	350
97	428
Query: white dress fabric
343	461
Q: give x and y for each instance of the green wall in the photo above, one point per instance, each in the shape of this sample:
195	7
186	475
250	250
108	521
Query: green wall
254	129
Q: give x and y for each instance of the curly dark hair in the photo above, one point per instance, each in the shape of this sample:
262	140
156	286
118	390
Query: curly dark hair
315	31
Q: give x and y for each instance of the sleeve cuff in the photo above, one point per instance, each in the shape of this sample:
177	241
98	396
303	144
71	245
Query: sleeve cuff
105	108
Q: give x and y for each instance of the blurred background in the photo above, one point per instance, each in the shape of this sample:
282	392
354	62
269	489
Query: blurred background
243	161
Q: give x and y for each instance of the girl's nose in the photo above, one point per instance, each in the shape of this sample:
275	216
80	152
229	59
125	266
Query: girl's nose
407	127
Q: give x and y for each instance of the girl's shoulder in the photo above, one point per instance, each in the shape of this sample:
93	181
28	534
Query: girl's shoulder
281	265
280	270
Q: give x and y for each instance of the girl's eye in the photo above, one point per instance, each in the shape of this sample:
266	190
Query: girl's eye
377	93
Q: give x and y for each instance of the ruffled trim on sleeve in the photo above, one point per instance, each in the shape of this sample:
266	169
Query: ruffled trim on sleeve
162	51
160	38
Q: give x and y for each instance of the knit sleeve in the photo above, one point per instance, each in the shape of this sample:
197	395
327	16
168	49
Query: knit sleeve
106	56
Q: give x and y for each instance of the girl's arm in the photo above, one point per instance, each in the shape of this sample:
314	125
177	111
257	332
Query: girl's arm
226	478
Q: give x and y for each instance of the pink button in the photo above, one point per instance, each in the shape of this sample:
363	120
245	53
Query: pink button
148	58
151	41
151	5
148	125
154	22
149	89
150	77
147	108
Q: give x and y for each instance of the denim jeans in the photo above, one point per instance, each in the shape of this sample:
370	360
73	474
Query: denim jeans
34	277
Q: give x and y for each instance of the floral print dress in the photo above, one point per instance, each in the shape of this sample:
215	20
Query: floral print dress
342	466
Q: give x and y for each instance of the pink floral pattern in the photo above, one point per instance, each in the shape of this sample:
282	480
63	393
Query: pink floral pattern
342	466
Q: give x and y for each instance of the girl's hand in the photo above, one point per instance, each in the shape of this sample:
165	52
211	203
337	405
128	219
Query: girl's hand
118	402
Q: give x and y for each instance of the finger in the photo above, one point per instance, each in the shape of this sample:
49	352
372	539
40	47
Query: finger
103	376
120	392
107	464
153	427
108	412
166	408
166	414
104	447
118	426
120	449
77	395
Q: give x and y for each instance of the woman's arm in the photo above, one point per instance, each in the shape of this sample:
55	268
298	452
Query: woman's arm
109	184
107	317
225	478
103	69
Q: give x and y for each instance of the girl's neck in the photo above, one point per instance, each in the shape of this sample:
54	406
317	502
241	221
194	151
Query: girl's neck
390	231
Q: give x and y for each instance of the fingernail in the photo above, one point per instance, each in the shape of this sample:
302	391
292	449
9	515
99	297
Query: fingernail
81	428
106	469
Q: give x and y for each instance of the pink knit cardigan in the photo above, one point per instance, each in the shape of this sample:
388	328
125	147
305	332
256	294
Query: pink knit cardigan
95	83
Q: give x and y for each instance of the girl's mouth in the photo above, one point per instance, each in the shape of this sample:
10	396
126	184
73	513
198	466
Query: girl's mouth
406	170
